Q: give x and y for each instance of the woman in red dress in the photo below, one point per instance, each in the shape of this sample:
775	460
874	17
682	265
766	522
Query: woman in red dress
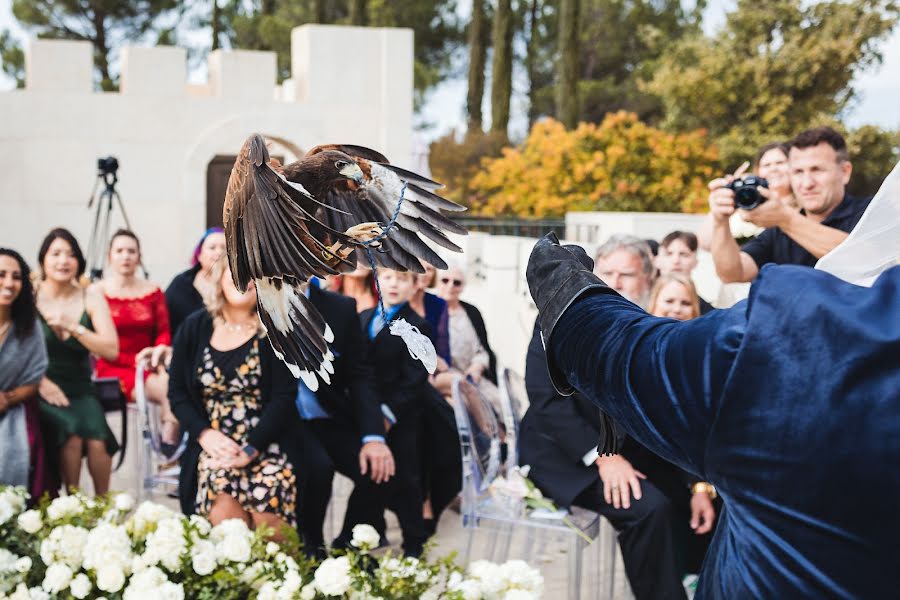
139	311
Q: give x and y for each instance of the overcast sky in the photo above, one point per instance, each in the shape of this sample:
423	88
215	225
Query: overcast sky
878	90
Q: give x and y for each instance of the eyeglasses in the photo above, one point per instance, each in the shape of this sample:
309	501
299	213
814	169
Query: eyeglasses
456	282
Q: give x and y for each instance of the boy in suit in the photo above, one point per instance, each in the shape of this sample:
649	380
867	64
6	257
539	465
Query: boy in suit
401	383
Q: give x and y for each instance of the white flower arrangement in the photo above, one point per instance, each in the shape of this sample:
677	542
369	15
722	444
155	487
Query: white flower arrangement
79	547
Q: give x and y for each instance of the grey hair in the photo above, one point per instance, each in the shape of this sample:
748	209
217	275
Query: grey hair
631	244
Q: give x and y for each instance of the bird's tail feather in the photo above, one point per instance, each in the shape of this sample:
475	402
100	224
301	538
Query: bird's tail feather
297	332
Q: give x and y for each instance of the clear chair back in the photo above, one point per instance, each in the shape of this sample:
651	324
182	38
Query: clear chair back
513	403
479	440
152	454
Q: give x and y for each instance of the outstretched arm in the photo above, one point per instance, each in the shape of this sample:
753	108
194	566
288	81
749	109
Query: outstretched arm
662	380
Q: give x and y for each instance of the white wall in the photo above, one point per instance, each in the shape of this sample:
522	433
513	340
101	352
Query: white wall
164	131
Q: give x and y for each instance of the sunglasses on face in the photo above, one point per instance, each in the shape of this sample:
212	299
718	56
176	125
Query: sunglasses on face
456	282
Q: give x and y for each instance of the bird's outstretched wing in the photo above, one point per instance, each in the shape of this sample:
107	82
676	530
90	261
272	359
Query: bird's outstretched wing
375	200
268	242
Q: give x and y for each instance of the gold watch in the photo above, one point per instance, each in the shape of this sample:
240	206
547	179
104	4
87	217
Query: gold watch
708	488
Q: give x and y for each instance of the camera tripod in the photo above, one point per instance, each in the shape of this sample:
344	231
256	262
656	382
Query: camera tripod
96	257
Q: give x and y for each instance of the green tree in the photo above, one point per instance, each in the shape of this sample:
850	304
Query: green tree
107	24
13	58
501	67
873	153
568	71
478	41
775	68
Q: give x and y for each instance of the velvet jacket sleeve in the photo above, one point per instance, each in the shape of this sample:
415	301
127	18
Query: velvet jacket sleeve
662	380
184	393
279	390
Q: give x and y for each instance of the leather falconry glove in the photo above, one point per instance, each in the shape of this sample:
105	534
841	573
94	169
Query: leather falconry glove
557	276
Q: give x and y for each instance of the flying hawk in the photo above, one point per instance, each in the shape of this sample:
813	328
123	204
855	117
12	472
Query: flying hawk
285	224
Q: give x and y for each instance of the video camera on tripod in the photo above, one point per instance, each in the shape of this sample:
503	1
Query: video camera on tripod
107	172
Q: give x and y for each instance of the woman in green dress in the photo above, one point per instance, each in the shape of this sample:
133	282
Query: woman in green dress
76	323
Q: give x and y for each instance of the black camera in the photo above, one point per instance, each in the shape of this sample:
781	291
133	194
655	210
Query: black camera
746	191
108	165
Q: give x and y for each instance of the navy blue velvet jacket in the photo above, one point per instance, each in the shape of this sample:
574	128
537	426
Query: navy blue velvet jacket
788	402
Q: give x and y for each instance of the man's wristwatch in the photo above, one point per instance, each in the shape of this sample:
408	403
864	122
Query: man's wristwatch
707	488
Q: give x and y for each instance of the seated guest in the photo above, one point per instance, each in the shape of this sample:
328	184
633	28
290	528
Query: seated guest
23	361
401	383
186	292
235	398
470	352
138	309
343	427
76	323
558	439
678	254
359	285
674	296
433	309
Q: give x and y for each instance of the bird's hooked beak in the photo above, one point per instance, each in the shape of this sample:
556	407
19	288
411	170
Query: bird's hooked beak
352	171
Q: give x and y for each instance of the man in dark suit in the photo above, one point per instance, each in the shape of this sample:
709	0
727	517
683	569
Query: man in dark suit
342	426
559	438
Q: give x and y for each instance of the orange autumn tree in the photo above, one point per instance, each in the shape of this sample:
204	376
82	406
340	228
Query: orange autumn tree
621	164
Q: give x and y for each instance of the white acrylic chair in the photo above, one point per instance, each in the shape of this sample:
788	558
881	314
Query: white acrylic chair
157	469
479	437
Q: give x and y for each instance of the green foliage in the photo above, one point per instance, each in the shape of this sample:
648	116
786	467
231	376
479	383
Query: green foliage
873	153
107	24
13	58
454	163
776	67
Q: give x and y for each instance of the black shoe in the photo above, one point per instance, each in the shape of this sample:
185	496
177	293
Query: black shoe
430	527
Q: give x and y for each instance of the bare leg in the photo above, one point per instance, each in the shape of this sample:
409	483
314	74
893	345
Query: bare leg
70	461
157	387
99	465
225	507
272	521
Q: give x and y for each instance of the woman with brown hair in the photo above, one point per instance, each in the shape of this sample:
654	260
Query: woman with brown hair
235	399
76	323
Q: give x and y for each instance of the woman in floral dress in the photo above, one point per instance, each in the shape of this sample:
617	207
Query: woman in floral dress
236	400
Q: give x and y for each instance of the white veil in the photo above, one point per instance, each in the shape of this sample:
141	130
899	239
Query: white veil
874	244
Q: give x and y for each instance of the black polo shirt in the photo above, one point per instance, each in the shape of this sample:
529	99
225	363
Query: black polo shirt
775	246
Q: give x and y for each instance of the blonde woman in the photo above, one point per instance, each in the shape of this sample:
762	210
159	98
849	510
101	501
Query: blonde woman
674	296
236	401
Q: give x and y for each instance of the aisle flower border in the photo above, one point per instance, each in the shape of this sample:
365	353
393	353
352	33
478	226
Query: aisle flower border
78	547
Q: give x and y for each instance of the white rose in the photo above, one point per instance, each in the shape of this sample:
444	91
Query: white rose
30	521
145	584
308	592
235	548
65	544
272	548
470	589
519	595
268	591
21	593
23	565
37	593
203	526
80	586
291	585
333	576
12	502
365	537
57	578
110	578
170	591
203	563
109	545
63	507
519	574
124	502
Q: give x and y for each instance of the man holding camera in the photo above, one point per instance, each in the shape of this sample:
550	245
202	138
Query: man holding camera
820	169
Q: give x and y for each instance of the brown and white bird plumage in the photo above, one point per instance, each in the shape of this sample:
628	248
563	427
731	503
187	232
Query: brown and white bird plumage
285	224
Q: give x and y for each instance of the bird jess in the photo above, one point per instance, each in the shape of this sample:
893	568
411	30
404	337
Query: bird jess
285	224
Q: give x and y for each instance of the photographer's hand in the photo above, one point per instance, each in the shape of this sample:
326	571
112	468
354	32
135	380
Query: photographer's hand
721	199
771	213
